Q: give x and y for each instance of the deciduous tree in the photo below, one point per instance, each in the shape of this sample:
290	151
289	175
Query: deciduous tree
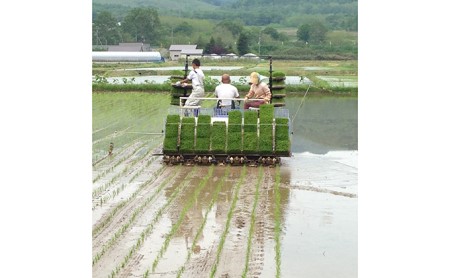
143	24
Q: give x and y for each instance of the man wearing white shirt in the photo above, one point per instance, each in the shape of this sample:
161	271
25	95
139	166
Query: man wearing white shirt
226	90
196	76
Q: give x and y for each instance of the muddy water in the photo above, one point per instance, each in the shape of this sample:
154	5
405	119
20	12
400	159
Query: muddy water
320	225
222	221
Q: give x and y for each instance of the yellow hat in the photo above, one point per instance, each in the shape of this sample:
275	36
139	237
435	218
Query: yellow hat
254	78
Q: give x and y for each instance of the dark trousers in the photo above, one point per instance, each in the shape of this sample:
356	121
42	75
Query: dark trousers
254	103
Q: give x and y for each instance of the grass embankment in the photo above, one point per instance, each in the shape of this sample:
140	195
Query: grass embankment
313	70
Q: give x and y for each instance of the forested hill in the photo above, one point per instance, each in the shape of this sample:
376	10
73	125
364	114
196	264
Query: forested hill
337	14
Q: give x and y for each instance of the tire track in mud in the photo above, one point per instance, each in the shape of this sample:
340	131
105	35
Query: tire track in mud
118	159
277	229
213	201
133	250
203	259
131	213
120	181
236	247
180	220
179	235
239	220
252	241
107	217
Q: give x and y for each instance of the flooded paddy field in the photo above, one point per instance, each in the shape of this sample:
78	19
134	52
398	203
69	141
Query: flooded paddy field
298	219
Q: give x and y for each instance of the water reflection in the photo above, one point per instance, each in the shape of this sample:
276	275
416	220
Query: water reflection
323	124
160	79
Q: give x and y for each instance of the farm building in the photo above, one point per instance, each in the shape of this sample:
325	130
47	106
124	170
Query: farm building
178	51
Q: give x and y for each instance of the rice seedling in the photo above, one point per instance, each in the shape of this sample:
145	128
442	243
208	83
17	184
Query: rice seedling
250	143
171	133
118	175
277	222
181	218
234	138
200	230
187	135
117	208
218	137
133	217
252	222
149	228
203	133
282	144
227	225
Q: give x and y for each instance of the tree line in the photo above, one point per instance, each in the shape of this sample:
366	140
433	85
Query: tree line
227	36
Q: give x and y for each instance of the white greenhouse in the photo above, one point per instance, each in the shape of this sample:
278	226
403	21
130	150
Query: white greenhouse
122	56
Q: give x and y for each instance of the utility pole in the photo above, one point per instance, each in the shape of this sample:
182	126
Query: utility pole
259	44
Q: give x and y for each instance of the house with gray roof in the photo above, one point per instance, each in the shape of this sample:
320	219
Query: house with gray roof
178	51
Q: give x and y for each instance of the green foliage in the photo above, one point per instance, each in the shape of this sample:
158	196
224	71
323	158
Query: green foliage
234	142
282	144
234	138
314	32
203	134
234	121
250	144
218	137
184	28
234	26
265	138
250	120
171	133
180	24
304	32
187	135
243	43
266	113
105	29
278	74
143	24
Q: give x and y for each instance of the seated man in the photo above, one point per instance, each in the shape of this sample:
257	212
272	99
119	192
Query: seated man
258	90
226	90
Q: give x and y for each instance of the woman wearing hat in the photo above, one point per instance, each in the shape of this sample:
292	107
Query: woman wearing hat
258	90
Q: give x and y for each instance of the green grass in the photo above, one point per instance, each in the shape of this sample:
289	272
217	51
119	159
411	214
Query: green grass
234	138
203	134
282	144
187	135
250	142
266	113
218	138
171	133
